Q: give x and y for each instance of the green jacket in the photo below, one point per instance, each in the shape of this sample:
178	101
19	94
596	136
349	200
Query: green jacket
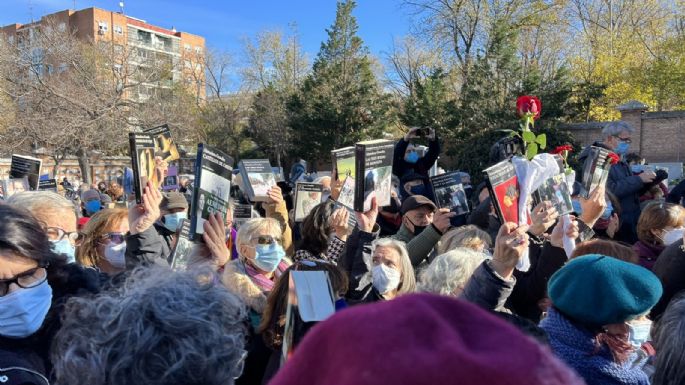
419	247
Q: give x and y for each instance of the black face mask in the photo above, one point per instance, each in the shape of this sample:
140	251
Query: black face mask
417	229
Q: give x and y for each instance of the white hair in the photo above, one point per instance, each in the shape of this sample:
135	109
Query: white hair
407	279
450	271
616	128
158	327
38	202
254	225
669	337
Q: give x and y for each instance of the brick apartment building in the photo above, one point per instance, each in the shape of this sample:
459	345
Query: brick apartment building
658	137
146	43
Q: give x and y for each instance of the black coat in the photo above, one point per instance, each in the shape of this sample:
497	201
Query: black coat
670	268
66	281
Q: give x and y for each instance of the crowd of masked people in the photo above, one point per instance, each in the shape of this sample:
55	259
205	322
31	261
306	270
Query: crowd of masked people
422	296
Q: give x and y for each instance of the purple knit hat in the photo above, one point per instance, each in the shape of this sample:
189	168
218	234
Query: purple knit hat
420	339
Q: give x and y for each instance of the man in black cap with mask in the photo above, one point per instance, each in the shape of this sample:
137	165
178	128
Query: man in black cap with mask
423	224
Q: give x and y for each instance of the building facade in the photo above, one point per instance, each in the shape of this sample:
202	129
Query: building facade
142	43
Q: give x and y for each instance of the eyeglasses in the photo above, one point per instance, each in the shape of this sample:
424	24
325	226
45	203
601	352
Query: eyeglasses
26	280
116	238
624	140
267	240
56	234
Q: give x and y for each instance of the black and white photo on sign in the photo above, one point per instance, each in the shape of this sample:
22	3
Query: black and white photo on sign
261	182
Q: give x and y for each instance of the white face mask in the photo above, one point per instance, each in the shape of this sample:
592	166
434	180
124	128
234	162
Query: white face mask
385	279
673	236
116	255
638	332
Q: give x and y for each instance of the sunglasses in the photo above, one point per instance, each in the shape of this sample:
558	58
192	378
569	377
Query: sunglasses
115	238
624	140
267	240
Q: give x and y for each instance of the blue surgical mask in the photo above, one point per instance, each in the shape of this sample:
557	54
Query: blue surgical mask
93	207
576	207
412	157
65	247
608	210
638	332
269	256
172	220
24	310
637	168
622	148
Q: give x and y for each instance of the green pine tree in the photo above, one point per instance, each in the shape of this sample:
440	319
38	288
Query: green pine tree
340	102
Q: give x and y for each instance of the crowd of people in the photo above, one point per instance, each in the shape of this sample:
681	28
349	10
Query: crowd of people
422	295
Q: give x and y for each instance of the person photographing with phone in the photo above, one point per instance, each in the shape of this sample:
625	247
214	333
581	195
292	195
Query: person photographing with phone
407	158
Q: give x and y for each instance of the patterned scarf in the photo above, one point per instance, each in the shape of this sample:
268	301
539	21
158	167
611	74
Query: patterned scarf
263	282
578	348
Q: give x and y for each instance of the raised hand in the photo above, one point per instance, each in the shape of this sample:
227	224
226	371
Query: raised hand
367	220
215	239
142	216
510	245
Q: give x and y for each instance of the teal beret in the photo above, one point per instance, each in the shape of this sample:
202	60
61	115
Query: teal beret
600	290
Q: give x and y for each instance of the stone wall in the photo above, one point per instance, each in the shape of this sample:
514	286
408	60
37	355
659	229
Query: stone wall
658	136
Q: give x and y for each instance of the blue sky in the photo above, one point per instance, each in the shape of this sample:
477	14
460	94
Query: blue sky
225	23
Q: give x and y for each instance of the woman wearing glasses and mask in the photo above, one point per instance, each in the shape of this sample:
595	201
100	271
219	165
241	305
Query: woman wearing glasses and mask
261	261
35	282
103	243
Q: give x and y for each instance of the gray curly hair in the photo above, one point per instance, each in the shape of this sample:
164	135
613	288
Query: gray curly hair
159	327
669	337
449	272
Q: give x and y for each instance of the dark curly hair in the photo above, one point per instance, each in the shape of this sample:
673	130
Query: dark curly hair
273	319
316	228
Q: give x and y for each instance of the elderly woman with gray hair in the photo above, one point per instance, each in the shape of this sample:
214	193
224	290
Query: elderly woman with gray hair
159	327
449	272
379	269
621	182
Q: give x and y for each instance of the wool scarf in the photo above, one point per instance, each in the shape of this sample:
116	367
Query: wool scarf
578	348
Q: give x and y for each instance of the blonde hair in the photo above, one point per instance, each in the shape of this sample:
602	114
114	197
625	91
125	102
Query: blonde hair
658	216
407	278
254	225
91	235
468	236
450	271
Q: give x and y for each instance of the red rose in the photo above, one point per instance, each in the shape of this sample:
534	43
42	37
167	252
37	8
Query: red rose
613	158
529	104
560	149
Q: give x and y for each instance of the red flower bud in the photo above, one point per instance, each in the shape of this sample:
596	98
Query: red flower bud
529	105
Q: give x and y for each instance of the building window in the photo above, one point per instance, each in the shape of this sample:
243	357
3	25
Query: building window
198	50
118	30
186	47
144	37
102	27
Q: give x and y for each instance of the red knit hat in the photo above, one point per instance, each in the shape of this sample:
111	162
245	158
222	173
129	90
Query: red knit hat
420	339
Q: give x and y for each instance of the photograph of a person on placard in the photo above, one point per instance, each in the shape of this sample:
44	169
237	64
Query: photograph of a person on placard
458	200
370	181
384	189
167	149
201	201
